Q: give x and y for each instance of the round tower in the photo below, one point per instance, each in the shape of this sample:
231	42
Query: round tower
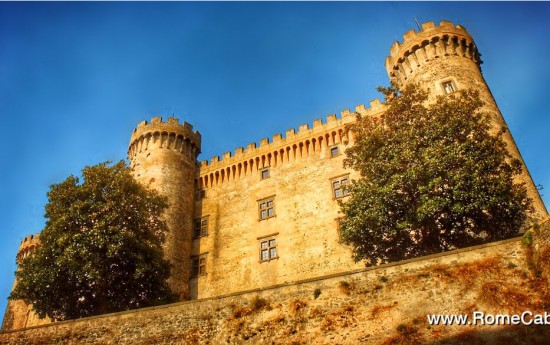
163	157
18	313
444	59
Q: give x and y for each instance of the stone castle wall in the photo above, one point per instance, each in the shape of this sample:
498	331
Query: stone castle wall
302	168
381	305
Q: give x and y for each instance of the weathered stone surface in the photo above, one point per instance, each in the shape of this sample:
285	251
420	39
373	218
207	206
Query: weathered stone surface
383	305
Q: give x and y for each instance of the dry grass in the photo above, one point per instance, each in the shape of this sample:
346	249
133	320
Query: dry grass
375	311
341	318
497	294
315	313
406	335
257	303
468	273
346	287
297	306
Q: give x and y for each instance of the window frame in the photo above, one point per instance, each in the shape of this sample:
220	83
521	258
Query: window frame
198	265
200	194
265	170
340	188
448	82
338	221
334	147
268	207
271	244
202	229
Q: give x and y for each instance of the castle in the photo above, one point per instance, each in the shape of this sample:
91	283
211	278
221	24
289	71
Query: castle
268	214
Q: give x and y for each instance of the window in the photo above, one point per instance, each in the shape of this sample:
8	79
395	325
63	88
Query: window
199	266
339	186
264	173
339	228
201	194
200	227
268	249
266	208
334	151
448	86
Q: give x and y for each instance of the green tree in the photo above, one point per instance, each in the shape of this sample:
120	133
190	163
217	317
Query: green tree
100	249
433	178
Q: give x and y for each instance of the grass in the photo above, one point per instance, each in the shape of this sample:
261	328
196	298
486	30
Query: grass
316	293
346	287
296	306
255	305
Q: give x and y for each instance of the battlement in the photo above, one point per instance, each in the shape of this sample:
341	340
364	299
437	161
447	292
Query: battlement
170	134
294	144
431	42
28	244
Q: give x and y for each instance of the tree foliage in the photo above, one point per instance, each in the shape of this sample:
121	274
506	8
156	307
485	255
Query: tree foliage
100	249
433	178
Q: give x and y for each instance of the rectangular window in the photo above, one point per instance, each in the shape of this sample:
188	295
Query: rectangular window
334	151
200	227
268	249
339	185
339	228
200	194
264	173
448	86
266	208
199	266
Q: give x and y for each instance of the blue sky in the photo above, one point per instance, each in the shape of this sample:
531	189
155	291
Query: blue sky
75	79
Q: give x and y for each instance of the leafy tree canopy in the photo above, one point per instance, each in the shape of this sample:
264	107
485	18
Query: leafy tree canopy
433	178
100	250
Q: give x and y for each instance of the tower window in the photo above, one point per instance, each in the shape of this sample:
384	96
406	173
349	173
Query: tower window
266	208
339	186
334	151
448	86
268	249
200	194
200	227
264	173
198	266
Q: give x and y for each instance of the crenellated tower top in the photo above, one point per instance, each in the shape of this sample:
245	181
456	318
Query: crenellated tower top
27	246
170	134
432	42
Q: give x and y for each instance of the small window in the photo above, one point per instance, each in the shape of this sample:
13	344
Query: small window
339	187
200	227
199	266
448	87
266	208
268	249
201	194
339	227
264	173
334	151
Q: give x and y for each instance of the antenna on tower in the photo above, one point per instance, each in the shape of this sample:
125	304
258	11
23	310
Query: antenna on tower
419	28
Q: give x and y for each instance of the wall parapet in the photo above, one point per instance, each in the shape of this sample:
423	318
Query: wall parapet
170	134
28	244
427	44
294	144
